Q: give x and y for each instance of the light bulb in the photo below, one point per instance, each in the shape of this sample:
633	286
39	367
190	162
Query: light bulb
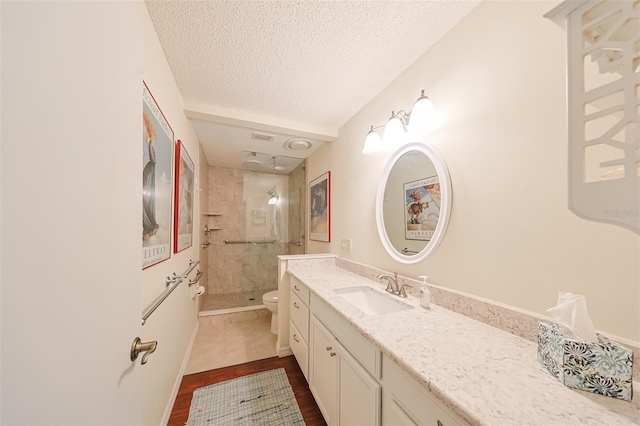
394	130
422	116
373	143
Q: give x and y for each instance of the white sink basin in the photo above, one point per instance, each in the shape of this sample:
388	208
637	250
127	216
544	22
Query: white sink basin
371	301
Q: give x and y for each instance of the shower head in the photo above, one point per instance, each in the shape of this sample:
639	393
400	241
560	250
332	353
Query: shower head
274	197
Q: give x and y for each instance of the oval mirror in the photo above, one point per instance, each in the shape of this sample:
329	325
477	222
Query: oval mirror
413	203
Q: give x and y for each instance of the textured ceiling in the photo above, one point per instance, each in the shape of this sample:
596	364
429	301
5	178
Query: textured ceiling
303	66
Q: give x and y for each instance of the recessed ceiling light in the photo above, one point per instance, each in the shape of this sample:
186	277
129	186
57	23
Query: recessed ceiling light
252	162
297	144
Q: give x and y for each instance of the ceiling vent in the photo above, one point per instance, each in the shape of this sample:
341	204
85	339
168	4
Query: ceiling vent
262	137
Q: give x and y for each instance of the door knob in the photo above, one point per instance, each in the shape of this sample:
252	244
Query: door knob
137	347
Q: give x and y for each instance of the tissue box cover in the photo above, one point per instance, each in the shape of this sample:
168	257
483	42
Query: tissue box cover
603	368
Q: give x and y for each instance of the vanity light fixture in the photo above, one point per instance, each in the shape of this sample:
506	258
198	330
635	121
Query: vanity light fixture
416	121
396	127
372	143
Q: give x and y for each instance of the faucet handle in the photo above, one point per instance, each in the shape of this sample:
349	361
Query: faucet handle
387	278
403	292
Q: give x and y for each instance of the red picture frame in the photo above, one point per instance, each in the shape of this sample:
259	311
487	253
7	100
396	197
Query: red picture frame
184	199
320	208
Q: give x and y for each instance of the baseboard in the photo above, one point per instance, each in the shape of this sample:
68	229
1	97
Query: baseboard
176	386
231	310
282	352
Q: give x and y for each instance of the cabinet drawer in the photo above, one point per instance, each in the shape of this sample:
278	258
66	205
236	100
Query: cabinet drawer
300	349
299	313
354	342
403	397
299	289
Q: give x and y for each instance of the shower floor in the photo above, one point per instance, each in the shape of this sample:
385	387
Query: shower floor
240	299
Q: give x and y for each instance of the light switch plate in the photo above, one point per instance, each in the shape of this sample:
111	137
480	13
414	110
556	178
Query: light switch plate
346	245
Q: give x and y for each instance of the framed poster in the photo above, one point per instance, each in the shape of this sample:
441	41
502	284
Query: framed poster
320	208
183	226
422	208
157	188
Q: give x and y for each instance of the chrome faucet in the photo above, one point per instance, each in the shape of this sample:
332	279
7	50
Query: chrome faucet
393	286
392	282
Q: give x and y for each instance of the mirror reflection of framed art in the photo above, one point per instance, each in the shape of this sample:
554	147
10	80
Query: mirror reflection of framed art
422	208
320	208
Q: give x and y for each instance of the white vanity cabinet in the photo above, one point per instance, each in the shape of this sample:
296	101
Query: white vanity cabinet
323	369
351	381
299	324
405	402
343	389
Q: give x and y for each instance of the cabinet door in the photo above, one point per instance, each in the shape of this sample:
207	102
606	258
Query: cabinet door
322	369
358	392
405	402
393	414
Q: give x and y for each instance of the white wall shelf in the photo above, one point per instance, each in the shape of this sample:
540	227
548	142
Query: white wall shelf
602	58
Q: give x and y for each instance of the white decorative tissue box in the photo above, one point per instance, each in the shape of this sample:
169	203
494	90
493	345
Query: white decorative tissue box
603	368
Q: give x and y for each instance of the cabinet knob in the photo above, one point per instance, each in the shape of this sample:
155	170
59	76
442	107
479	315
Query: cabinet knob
295	287
439	423
296	338
295	305
334	354
329	348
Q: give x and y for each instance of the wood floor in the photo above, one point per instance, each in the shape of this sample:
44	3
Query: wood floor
308	407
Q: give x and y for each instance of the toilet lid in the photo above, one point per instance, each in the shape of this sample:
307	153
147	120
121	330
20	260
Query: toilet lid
271	296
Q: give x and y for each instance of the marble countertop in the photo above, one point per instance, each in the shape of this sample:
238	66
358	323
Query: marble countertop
484	375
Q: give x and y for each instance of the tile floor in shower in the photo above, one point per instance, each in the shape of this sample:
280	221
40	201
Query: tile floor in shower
222	301
231	339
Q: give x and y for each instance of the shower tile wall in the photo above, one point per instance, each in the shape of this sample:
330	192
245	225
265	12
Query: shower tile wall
297	200
203	192
241	199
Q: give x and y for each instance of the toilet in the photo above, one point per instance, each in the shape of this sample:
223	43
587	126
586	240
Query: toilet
270	300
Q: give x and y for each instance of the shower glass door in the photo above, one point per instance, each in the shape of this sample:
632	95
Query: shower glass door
243	253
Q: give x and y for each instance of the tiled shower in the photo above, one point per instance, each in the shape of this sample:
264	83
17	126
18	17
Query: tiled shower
240	270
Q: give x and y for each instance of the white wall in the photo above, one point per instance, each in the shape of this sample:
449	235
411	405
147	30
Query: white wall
498	82
72	286
172	325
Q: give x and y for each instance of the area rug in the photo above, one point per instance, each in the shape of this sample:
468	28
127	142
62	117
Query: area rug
264	398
